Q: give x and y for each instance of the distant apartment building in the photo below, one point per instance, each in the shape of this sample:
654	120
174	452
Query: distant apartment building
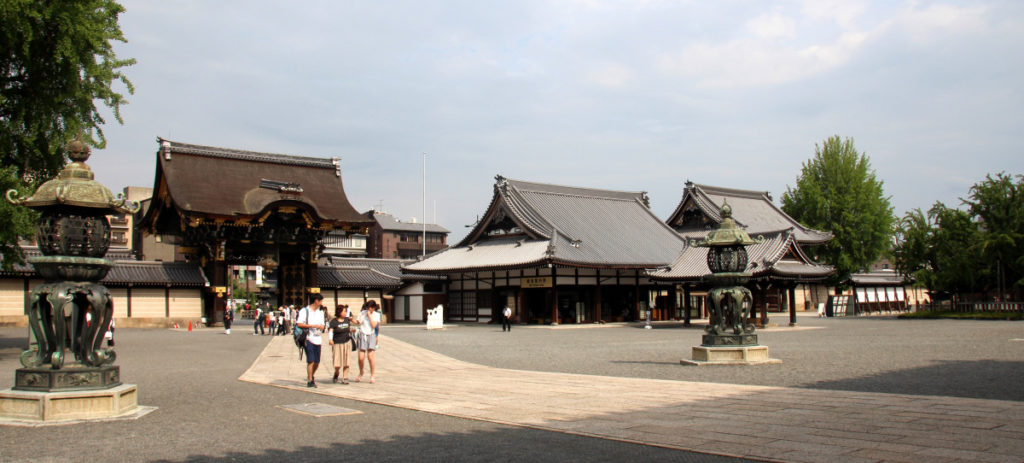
344	245
391	238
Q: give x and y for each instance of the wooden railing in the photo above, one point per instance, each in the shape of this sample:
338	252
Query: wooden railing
988	307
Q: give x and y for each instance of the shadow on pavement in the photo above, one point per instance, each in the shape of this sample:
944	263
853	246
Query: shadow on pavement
949	378
508	445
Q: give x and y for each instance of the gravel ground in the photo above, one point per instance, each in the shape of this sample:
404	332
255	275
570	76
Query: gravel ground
205	414
960	358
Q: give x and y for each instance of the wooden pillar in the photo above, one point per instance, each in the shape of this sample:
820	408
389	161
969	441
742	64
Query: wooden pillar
554	297
673	301
597	297
853	299
519	306
792	305
128	300
636	294
764	308
496	309
219	268
520	300
686	305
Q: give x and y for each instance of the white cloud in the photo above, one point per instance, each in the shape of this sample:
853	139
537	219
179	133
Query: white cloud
844	13
748	62
777	49
610	75
924	25
772	26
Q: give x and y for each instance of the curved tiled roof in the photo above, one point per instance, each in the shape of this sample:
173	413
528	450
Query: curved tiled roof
779	255
562	225
143	273
753	210
127	271
505	253
348	276
227	182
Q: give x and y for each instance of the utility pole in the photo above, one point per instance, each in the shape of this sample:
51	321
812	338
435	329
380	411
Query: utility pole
424	204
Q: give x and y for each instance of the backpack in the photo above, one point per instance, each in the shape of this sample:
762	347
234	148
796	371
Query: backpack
300	334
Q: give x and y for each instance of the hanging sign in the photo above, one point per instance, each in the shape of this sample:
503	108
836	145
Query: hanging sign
536	282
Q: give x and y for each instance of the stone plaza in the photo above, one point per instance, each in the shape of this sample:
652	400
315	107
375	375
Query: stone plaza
861	389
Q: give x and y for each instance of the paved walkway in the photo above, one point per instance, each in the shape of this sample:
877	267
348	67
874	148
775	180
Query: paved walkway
757	422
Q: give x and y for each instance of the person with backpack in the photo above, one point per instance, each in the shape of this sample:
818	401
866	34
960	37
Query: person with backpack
311	318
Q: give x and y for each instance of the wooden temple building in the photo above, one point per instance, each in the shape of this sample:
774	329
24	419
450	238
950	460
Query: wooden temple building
777	265
555	254
232	207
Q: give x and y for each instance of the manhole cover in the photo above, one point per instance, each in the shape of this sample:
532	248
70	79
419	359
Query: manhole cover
318	409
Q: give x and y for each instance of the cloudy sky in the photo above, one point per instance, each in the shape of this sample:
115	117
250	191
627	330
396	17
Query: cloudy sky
637	95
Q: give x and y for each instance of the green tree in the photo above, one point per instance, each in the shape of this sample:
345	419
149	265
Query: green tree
998	205
913	253
56	62
837	191
955	265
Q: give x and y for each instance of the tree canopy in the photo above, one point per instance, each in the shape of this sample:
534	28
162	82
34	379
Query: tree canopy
837	191
968	252
57	61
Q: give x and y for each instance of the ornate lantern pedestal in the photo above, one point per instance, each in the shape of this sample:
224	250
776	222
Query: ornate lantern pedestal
728	339
71	311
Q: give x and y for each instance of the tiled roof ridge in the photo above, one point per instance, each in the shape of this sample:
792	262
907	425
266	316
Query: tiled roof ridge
495	199
573	195
724	191
526	212
542	184
662	223
773	255
391	277
231	153
370	259
762	195
796	223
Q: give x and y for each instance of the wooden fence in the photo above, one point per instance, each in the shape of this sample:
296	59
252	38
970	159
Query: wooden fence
968	307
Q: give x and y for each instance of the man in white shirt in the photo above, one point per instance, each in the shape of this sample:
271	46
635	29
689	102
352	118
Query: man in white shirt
312	318
506	319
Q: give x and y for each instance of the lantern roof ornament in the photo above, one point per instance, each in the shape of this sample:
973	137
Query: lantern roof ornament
728	233
75	185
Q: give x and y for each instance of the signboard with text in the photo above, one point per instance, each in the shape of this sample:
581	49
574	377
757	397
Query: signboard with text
536	282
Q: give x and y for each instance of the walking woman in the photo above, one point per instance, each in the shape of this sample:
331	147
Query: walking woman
341	336
366	340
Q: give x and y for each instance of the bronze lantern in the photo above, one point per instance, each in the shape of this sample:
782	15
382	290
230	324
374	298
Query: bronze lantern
71	310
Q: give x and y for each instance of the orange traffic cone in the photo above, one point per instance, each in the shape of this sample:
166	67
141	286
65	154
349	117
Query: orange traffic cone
190	326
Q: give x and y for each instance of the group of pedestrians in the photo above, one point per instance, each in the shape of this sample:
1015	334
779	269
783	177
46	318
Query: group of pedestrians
274	322
344	334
